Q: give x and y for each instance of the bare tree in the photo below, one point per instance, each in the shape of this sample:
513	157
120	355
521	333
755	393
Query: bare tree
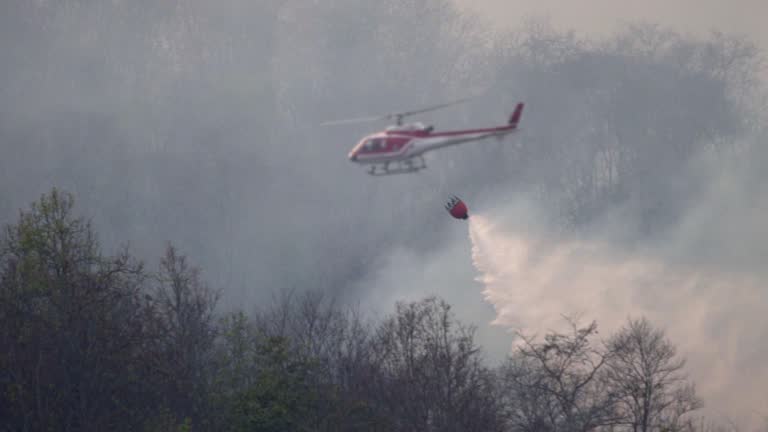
431	376
647	377
335	345
185	307
556	384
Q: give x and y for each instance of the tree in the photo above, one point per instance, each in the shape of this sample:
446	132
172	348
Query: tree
280	397
646	375
261	384
556	384
186	324
431	375
73	326
338	345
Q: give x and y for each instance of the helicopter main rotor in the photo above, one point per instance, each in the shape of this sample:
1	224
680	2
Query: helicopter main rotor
397	116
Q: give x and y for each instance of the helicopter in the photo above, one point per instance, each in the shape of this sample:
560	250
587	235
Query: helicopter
400	148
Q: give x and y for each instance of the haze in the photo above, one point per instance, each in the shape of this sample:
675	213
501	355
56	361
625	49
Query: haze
602	17
195	122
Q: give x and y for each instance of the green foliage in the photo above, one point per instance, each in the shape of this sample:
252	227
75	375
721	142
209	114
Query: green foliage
166	421
277	396
72	322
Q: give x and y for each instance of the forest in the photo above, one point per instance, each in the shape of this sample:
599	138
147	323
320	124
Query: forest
98	342
176	250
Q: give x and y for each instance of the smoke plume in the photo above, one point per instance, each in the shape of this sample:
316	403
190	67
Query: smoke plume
714	312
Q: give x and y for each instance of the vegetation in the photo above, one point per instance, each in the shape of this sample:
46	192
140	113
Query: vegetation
179	120
95	342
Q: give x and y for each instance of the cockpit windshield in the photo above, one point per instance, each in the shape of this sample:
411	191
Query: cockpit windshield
373	144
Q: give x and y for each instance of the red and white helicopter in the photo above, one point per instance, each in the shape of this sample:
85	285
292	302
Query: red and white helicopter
396	149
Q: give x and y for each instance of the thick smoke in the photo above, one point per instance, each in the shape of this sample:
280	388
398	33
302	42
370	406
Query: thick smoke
198	124
702	281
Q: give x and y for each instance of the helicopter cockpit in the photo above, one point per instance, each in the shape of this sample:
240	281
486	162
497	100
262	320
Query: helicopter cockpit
374	144
379	144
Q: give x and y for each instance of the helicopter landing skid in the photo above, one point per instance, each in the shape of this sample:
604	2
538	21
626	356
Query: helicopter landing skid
402	167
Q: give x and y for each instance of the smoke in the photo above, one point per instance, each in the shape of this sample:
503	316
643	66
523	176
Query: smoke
700	281
406	274
196	124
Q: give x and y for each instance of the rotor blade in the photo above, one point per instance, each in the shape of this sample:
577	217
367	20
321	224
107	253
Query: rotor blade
354	120
433	107
394	115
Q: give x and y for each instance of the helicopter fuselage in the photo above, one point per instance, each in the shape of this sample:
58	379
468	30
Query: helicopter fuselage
408	141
